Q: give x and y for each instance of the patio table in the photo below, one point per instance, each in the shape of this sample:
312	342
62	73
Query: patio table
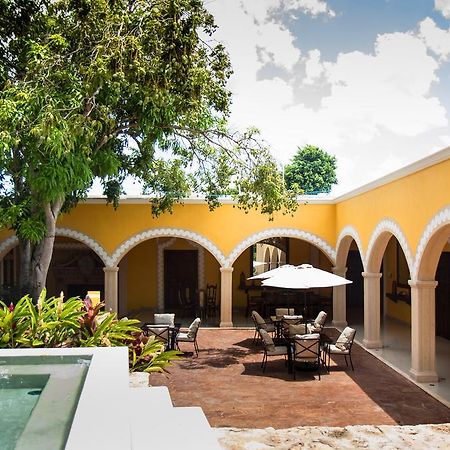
173	331
278	322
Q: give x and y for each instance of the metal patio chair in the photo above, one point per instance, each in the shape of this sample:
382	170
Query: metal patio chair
270	349
307	351
342	346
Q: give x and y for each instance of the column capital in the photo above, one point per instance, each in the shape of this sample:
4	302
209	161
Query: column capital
226	269
423	284
110	269
371	274
341	271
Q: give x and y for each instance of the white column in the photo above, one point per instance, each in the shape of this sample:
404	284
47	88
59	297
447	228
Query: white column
340	300
226	296
372	310
423	331
111	298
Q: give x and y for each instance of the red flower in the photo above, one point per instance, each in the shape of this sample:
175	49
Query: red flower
11	307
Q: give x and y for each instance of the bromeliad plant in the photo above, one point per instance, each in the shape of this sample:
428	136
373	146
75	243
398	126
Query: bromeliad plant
54	322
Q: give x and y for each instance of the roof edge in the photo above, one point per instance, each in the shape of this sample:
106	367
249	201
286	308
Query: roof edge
416	166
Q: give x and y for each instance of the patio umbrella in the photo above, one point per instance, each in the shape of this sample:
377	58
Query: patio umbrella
271	273
302	277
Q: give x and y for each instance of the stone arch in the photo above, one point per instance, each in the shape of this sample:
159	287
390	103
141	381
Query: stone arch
267	264
281	232
346	236
378	242
85	239
126	246
430	246
7	245
12	241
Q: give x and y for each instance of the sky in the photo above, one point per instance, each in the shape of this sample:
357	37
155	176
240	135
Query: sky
366	80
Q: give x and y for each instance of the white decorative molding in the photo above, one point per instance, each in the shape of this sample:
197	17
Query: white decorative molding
85	239
12	241
200	264
350	231
388	225
8	244
165	232
280	232
441	219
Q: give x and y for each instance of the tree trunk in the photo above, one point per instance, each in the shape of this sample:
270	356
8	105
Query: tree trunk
25	250
35	259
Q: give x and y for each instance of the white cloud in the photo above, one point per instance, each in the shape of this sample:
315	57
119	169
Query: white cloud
443	6
314	68
435	38
389	89
373	111
313	7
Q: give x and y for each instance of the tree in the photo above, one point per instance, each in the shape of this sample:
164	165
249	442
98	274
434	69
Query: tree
111	88
312	169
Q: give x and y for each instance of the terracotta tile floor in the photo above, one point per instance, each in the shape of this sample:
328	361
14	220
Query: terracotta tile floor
226	380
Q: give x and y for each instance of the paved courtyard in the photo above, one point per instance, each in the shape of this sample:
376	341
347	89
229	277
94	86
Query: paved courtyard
226	380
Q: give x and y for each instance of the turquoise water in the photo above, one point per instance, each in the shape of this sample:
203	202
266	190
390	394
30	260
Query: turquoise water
38	400
18	397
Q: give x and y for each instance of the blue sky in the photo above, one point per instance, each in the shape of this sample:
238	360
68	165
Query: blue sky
367	80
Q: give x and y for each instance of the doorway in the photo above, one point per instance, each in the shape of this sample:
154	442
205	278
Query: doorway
180	276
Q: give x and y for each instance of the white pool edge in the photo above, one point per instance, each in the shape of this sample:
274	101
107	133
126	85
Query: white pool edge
102	416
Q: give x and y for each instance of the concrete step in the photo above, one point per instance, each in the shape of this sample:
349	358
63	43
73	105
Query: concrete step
168	428
150	398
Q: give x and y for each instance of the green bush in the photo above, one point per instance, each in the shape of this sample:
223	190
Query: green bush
54	322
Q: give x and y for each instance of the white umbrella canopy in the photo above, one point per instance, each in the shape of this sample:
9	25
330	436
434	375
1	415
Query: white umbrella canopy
303	277
271	273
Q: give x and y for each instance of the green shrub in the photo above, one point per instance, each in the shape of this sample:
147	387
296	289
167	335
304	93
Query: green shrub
54	322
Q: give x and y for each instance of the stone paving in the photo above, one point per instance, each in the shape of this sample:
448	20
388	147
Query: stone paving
386	437
226	380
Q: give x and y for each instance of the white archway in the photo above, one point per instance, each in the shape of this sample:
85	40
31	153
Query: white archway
344	241
7	245
10	242
378	242
125	247
281	232
429	249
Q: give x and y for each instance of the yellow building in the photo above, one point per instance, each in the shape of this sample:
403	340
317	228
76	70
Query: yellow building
389	237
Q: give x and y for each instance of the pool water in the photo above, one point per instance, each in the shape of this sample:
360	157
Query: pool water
38	399
18	397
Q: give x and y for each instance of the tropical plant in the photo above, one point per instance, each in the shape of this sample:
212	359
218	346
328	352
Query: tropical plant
312	170
54	322
147	354
110	89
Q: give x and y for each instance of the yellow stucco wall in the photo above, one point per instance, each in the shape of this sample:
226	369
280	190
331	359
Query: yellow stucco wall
226	227
142	276
411	201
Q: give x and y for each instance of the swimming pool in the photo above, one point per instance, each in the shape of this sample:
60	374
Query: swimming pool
64	399
38	399
18	397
